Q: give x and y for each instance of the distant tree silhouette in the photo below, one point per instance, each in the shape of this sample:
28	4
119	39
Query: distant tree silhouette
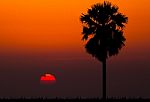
103	25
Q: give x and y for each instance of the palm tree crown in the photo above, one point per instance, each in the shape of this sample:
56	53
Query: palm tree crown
105	24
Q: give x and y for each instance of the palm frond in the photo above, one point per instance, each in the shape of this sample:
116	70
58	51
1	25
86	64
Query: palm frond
115	43
85	19
120	19
87	31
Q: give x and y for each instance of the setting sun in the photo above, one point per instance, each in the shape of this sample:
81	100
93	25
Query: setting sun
47	79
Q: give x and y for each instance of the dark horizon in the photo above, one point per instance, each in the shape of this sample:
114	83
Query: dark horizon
23	80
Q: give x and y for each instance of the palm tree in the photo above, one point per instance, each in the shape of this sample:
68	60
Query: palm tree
103	28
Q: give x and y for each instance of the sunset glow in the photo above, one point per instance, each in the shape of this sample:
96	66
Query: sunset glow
28	25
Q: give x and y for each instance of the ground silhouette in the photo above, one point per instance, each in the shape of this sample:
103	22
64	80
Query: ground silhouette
73	100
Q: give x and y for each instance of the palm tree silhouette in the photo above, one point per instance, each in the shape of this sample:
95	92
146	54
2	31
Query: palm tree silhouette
103	25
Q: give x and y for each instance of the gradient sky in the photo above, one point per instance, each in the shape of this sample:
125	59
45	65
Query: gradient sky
40	36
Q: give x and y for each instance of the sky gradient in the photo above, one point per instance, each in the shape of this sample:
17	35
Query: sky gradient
40	36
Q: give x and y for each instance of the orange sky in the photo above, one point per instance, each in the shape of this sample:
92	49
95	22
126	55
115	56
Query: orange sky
51	25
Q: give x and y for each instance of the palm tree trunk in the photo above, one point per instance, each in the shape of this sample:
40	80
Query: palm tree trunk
104	79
